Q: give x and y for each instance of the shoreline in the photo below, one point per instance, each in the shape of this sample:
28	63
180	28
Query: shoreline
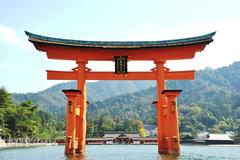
24	145
28	145
224	145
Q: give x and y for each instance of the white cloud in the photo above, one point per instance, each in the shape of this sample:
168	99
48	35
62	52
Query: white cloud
223	51
8	35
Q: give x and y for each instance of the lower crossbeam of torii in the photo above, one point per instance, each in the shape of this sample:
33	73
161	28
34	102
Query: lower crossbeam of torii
121	52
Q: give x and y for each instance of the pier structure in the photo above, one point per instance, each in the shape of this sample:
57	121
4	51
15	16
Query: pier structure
121	52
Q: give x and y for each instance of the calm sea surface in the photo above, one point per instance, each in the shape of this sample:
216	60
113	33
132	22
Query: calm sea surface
123	152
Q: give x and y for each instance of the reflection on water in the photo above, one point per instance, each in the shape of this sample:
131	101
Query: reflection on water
168	157
76	158
123	152
160	157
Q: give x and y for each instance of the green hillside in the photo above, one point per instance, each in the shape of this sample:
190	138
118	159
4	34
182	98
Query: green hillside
210	102
52	99
26	121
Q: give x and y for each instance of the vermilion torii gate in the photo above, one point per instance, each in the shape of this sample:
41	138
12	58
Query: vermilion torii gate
121	51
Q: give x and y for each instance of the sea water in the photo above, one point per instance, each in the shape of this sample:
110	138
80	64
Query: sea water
123	152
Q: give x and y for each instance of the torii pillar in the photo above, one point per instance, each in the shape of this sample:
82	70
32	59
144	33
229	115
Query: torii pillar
173	129
161	119
72	111
82	102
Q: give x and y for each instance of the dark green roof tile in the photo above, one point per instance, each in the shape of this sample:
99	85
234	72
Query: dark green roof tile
121	44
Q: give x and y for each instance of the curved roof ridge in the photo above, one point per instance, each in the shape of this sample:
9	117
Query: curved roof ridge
207	38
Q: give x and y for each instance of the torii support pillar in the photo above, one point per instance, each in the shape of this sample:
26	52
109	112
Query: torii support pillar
163	145
162	117
82	102
72	110
173	132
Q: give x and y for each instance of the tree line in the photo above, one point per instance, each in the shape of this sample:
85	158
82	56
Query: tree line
105	123
26	120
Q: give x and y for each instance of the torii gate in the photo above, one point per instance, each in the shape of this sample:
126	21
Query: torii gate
121	52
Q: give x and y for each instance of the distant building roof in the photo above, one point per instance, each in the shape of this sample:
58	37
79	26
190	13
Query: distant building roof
224	137
94	139
187	136
121	44
218	137
114	135
149	138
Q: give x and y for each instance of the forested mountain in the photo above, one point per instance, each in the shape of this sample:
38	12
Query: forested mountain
26	121
53	99
210	102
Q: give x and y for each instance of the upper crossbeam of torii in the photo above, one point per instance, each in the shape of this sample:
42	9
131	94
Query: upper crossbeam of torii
85	51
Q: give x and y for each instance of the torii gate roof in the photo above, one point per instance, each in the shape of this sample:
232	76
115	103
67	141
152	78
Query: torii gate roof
66	49
121	44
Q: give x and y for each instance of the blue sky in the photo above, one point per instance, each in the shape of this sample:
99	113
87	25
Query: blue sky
23	68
